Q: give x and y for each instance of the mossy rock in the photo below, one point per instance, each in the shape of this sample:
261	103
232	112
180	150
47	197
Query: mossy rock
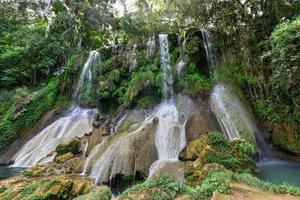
63	158
54	187
34	171
73	146
100	193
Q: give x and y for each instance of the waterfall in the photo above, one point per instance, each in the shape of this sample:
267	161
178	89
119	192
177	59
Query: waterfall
116	155
85	80
211	53
170	133
75	123
167	83
235	118
182	63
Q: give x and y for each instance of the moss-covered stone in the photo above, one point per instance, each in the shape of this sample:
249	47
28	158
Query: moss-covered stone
63	158
53	187
73	146
100	193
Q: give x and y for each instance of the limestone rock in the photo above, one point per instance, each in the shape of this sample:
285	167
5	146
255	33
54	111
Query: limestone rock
202	119
63	158
125	154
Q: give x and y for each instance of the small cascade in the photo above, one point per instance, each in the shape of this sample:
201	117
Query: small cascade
182	63
235	118
84	84
170	133
170	136
211	53
112	161
75	123
167	82
91	157
151	45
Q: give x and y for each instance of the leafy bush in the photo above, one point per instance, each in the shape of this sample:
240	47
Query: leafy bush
214	181
192	82
235	155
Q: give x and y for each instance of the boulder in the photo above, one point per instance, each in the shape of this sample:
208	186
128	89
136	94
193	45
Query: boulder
202	119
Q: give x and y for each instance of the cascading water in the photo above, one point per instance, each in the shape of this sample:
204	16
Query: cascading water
115	154
167	82
170	133
84	84
181	63
234	117
76	122
210	51
48	13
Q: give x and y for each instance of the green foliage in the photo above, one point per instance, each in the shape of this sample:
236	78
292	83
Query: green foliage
235	71
25	110
73	146
235	155
161	188
214	181
285	59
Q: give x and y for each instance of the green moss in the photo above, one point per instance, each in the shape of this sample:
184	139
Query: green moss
28	190
73	146
27	173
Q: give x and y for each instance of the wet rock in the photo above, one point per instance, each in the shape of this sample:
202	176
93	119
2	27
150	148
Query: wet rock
132	121
125	154
73	165
202	119
174	169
